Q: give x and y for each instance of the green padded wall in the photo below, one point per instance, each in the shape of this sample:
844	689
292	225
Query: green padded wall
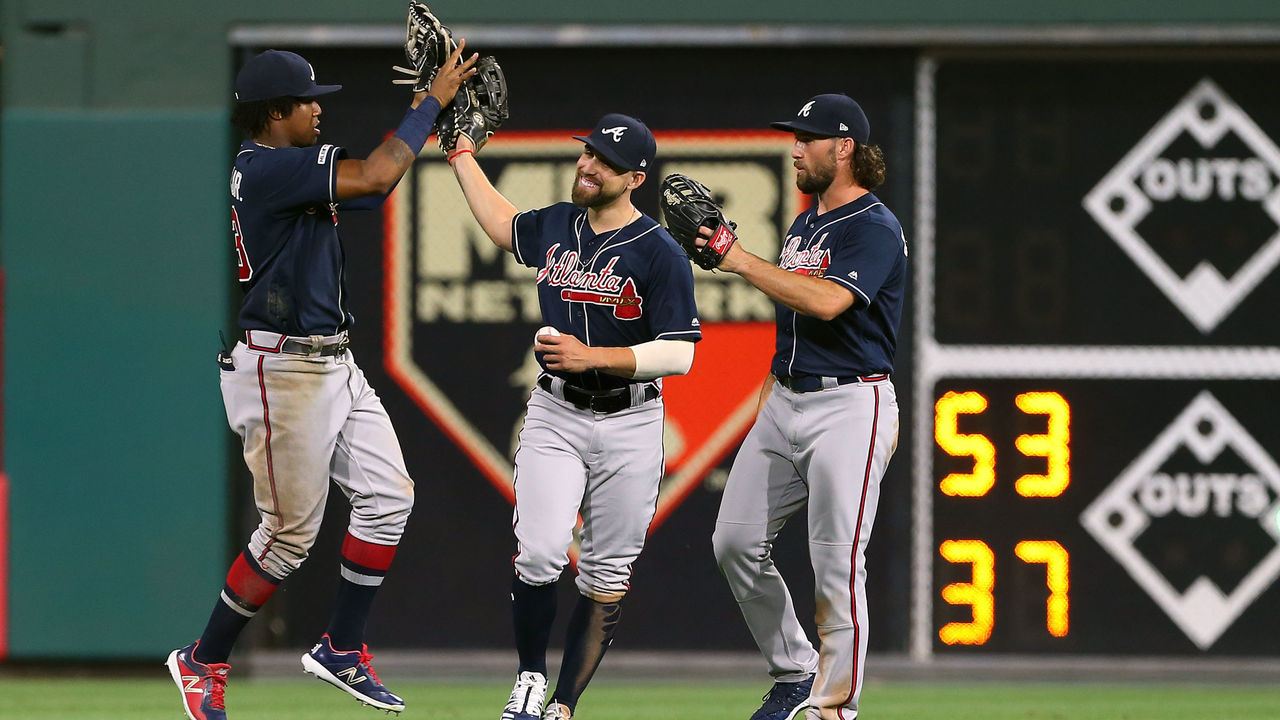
115	259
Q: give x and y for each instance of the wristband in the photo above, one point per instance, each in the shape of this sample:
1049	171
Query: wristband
461	151
416	126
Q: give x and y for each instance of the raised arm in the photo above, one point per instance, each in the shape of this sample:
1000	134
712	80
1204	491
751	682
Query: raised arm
493	211
378	173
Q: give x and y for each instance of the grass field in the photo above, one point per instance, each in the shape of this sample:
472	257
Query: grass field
139	699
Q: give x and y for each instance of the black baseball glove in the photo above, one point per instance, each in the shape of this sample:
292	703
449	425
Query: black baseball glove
427	44
478	109
686	207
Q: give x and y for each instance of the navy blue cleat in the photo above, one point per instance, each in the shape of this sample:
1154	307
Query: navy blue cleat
785	700
351	672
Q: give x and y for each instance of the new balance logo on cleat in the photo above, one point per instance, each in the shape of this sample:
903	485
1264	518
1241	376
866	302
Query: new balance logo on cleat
349	675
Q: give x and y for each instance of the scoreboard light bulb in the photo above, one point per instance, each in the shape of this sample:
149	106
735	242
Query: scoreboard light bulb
1057	562
947	434
1054	446
978	594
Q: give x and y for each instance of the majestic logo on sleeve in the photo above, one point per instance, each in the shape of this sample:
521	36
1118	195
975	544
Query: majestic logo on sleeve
812	261
596	287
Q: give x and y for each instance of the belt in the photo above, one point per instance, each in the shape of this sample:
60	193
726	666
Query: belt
308	346
599	401
811	383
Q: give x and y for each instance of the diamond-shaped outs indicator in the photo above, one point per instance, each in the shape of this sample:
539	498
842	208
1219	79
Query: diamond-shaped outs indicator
1125	509
1123	198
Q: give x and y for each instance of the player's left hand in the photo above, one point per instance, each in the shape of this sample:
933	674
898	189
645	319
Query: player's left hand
564	352
730	261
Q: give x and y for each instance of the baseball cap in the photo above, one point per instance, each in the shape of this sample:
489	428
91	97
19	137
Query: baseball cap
278	73
830	115
623	141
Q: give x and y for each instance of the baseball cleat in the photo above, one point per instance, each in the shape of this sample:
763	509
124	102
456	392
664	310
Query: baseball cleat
556	711
785	700
201	685
526	697
352	672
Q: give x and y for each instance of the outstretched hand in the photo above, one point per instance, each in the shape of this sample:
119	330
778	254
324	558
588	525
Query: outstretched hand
451	76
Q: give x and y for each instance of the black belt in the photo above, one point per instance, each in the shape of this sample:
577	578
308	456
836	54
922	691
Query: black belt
311	346
813	383
600	401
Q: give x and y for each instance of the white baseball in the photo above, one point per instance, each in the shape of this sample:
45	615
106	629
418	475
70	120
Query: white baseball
545	330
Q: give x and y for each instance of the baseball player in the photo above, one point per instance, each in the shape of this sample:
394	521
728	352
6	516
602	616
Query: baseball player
291	388
616	293
828	418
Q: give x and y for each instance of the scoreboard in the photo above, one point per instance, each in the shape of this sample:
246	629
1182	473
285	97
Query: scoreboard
1097	370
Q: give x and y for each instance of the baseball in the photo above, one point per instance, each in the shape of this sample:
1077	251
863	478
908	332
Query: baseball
545	330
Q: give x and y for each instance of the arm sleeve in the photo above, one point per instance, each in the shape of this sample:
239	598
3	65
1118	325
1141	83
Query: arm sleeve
863	259
659	358
672	310
301	176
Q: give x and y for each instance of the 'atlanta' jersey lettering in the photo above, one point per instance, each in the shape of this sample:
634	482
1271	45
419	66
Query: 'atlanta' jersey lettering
621	288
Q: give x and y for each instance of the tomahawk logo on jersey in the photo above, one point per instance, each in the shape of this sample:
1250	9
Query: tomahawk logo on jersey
621	288
845	246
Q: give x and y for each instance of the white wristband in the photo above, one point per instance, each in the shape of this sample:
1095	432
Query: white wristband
659	358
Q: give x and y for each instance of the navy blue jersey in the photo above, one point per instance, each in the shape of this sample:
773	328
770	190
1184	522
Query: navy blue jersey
284	216
859	245
617	289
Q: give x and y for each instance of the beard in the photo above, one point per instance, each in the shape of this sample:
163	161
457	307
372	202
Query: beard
599	197
815	180
818	176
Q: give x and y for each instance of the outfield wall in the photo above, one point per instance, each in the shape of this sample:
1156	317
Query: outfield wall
127	498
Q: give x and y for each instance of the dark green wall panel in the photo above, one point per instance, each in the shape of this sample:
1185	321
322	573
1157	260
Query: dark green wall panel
116	261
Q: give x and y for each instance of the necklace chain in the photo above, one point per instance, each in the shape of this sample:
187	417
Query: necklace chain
582	262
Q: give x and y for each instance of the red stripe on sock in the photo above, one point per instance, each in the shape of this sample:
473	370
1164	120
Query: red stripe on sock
248	584
367	554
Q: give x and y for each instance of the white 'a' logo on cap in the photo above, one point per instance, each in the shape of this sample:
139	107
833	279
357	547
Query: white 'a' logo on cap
805	110
313	72
616	132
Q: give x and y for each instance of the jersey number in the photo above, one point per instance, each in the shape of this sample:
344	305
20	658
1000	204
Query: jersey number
245	271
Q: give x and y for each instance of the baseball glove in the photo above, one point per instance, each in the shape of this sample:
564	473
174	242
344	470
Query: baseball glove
479	108
687	206
427	44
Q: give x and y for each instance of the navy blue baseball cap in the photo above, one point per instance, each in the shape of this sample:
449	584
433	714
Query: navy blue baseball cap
278	73
830	115
623	141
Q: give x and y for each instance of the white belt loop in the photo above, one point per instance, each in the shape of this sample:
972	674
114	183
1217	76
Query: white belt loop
557	387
